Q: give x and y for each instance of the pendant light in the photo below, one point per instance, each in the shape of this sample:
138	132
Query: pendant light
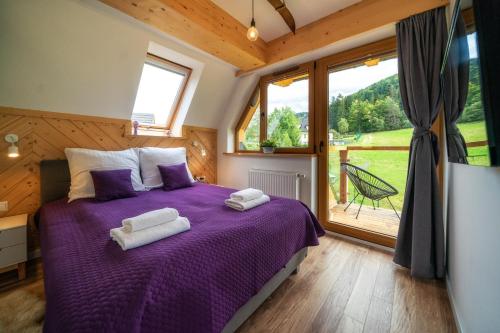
252	32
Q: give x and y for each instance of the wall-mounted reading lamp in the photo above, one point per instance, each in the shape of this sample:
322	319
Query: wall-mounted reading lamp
13	150
200	147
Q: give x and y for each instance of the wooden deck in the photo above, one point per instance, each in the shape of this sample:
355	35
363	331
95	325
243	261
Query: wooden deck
380	220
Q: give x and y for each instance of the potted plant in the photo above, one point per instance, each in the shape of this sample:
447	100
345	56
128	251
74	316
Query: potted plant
268	146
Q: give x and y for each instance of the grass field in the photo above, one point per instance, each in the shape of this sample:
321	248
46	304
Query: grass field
392	166
474	131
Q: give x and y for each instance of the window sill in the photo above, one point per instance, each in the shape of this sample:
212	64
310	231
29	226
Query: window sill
282	155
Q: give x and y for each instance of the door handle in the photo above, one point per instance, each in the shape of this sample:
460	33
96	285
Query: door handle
321	144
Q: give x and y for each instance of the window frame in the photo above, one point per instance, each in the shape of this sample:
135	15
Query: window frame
383	49
245	119
168	65
261	87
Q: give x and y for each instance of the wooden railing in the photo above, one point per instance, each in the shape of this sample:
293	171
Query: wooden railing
476	144
344	157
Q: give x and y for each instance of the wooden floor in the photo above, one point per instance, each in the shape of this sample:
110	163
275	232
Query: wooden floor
341	287
379	220
346	287
32	284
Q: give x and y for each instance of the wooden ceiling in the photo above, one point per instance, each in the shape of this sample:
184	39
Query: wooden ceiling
208	27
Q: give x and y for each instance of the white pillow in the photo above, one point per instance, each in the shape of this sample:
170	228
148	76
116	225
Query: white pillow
82	161
151	157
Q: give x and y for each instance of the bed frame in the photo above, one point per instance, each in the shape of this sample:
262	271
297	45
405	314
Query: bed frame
54	184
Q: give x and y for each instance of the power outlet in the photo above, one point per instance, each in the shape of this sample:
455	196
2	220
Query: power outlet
4	206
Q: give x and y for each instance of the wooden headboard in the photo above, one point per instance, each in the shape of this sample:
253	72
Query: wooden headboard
44	135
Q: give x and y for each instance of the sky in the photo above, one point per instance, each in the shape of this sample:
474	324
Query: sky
157	91
295	96
471	40
348	81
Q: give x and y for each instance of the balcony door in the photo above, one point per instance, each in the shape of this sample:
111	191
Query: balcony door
364	138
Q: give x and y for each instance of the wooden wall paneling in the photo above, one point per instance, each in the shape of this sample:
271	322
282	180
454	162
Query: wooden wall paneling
44	135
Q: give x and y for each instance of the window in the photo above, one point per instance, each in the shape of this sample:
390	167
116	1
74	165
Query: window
280	109
248	129
160	92
288	109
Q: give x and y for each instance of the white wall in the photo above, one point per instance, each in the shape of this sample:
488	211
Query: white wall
474	246
86	58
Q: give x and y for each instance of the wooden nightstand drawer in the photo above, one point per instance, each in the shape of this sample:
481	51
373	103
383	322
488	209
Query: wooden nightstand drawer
9	237
13	255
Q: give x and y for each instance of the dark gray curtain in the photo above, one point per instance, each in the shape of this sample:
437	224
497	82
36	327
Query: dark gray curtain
456	88
421	43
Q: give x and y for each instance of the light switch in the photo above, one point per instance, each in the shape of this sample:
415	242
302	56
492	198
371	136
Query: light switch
4	206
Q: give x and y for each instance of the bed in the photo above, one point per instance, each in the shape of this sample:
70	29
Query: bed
209	279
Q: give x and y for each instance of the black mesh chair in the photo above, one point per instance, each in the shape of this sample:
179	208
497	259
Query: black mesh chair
369	186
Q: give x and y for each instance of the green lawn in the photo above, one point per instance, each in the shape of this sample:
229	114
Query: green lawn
388	138
474	131
392	166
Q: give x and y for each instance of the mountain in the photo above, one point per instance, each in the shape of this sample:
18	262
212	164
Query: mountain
378	107
374	108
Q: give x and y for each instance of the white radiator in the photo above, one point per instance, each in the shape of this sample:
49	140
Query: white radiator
279	183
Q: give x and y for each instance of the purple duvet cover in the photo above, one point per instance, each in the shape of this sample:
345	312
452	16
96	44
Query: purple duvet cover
191	282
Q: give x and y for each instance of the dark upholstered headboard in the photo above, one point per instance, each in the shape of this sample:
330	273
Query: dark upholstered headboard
54	180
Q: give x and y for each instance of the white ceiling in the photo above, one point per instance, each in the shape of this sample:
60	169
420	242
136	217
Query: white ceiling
269	22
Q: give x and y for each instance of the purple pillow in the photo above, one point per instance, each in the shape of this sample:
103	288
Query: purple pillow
174	176
113	184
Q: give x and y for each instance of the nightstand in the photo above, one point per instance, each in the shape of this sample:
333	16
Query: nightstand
13	244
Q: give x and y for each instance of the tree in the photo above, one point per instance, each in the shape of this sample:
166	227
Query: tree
388	110
377	107
336	110
252	133
360	115
473	110
343	126
284	127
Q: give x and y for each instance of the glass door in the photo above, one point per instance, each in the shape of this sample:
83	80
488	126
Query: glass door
368	137
364	141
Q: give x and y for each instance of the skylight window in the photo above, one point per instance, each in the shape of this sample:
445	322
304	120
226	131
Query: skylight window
160	92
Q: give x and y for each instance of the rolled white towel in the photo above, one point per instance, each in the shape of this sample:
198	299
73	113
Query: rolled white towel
142	237
246	205
247	194
150	219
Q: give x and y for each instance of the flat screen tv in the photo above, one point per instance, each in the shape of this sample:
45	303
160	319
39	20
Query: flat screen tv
470	76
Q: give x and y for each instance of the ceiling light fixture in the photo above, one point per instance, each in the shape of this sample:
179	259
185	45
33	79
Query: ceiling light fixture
252	32
372	62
